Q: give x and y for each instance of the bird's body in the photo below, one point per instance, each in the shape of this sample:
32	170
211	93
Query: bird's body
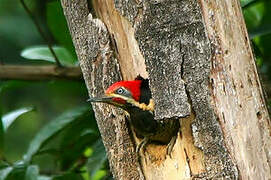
135	98
145	125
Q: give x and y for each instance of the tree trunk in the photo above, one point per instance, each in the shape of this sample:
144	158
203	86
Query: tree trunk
198	58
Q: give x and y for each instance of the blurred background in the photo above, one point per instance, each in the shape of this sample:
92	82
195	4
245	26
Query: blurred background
64	149
35	143
48	98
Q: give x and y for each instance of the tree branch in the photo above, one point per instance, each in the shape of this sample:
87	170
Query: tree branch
21	72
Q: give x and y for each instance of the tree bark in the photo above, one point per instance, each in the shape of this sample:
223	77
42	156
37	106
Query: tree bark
100	69
236	90
202	73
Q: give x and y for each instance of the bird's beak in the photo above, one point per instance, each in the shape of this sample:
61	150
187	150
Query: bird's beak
108	99
100	99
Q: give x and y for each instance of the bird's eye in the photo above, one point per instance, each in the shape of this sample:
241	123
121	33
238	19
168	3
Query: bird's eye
120	91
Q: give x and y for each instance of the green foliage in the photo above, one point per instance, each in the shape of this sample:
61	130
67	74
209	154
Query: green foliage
258	21
10	117
43	53
60	31
75	132
245	3
6	120
60	139
32	172
1	136
4	172
96	163
50	130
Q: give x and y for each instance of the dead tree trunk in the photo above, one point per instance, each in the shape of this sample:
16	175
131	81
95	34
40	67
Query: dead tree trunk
198	58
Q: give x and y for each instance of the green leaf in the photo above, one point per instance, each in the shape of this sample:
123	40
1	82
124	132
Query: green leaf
51	129
44	178
18	171
32	172
254	15
99	175
10	117
97	160
3	164
247	3
76	150
43	53
5	172
260	31
86	134
69	176
58	26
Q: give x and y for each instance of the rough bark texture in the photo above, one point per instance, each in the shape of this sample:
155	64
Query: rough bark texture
236	91
159	34
173	39
202	73
156	164
100	69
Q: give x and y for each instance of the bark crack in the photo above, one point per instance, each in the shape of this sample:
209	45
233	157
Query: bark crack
187	160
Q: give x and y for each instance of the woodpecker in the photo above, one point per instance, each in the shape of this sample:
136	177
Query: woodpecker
135	98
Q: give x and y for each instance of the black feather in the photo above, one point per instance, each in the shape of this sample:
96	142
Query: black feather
145	94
